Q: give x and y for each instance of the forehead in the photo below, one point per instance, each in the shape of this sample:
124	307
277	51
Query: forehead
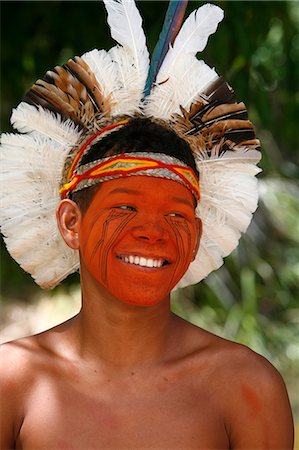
152	189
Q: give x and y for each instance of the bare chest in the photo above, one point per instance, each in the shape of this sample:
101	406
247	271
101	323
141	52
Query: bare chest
160	414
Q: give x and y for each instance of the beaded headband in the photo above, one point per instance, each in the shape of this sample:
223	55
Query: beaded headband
128	164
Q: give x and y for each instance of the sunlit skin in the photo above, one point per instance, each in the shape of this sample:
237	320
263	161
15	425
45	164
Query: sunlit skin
139	217
125	372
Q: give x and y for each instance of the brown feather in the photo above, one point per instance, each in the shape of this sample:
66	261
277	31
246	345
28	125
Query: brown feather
214	118
82	71
75	92
72	91
236	110
220	91
50	97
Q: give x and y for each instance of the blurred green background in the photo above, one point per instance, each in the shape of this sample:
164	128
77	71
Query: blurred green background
254	297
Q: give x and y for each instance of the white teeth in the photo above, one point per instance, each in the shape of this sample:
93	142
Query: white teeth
143	262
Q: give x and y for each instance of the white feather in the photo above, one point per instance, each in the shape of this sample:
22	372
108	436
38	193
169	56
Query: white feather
192	37
106	72
239	154
128	96
229	196
31	168
189	79
131	59
30	119
182	77
126	28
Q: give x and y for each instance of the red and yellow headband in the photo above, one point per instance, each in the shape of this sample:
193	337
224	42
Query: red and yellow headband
124	165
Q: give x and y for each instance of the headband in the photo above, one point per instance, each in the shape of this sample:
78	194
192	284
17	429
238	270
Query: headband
129	164
64	114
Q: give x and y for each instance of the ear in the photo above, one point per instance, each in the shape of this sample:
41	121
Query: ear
198	224
68	217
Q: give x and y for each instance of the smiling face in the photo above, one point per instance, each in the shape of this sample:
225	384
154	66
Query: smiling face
138	237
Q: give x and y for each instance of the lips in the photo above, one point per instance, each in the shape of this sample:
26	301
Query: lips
143	261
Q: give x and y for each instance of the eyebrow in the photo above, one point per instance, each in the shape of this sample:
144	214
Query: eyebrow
183	200
125	191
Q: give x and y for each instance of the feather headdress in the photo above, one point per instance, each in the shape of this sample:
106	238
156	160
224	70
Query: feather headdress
73	102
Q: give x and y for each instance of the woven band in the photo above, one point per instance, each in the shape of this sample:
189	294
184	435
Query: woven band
128	164
85	147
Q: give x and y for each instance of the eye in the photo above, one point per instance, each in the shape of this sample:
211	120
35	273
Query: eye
175	214
125	207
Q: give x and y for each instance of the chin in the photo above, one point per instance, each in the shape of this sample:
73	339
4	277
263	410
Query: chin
141	299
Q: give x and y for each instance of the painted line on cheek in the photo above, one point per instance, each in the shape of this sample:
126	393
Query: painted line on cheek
90	226
178	245
101	239
177	228
124	222
88	229
94	224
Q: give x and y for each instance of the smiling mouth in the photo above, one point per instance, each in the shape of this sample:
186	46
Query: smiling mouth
144	262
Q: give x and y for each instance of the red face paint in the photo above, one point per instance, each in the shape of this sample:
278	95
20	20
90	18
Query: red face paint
252	400
138	237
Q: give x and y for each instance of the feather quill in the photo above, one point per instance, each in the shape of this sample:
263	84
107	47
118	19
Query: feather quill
192	37
172	22
182	77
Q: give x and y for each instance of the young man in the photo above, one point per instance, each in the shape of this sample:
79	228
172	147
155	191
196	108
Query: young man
126	372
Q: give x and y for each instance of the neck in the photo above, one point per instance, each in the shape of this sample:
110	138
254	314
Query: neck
121	335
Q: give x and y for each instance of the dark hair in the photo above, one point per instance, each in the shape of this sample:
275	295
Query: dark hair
139	135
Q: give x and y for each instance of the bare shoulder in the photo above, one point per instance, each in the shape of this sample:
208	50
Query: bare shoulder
23	360
248	370
240	368
19	360
245	388
17	376
30	351
251	372
233	360
15	357
238	360
24	364
258	406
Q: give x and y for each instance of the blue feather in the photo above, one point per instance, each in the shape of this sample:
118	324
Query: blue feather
172	23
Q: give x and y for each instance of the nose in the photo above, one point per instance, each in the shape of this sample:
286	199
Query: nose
151	231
